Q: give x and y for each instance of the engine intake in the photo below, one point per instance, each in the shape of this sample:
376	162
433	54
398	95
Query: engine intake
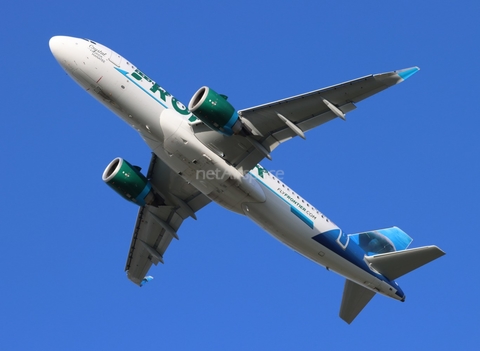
128	182
215	111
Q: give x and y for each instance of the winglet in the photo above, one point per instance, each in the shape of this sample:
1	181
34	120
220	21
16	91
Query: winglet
407	72
146	280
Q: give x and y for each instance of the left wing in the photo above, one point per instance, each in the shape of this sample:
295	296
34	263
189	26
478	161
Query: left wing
157	226
276	122
355	298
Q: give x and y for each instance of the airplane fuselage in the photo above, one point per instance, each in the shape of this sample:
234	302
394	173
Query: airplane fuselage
165	124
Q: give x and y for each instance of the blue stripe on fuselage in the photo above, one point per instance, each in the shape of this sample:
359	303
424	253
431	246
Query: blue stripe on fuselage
302	217
352	253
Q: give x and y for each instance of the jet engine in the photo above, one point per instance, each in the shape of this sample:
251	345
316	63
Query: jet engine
215	111
128	182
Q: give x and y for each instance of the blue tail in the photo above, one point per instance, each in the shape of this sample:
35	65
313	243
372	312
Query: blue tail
382	240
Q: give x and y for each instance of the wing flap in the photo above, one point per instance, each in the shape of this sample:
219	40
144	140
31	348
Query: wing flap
300	107
355	298
304	111
149	232
309	123
157	226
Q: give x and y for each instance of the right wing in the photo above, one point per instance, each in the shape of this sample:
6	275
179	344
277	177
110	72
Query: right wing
276	122
157	226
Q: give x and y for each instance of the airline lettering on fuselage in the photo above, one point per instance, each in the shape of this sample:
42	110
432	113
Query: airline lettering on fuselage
296	203
97	53
260	170
158	91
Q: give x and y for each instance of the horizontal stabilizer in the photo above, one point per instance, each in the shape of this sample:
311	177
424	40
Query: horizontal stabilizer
395	264
382	240
355	298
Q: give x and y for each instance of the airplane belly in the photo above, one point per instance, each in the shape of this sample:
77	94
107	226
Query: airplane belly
277	218
201	167
141	111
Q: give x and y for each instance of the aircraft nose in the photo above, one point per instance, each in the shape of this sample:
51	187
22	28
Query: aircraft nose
57	47
65	50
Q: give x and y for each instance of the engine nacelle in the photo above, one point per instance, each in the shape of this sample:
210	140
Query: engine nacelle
128	182
215	111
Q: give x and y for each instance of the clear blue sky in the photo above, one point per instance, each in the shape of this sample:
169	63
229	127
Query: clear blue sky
407	157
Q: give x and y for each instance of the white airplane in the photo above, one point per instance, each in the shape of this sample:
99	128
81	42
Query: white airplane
210	152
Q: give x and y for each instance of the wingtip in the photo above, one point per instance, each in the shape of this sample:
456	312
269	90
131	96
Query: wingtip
145	280
348	321
407	72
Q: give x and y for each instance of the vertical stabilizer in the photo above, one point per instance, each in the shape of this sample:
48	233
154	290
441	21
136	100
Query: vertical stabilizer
355	298
382	240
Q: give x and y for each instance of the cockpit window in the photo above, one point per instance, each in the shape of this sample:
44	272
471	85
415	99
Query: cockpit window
90	41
